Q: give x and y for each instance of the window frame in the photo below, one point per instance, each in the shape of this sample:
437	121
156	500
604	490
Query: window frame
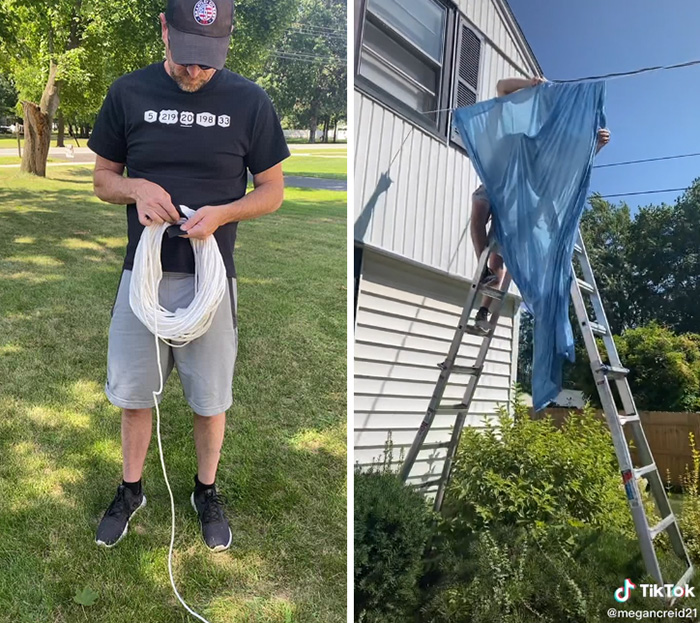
441	128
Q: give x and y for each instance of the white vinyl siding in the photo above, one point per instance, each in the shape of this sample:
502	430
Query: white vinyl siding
406	319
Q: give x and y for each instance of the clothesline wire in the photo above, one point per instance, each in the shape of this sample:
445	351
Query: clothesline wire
621	74
643	192
619	164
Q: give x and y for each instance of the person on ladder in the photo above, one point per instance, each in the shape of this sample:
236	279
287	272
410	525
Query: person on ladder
481	210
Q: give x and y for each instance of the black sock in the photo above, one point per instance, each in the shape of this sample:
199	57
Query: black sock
134	487
199	487
483	312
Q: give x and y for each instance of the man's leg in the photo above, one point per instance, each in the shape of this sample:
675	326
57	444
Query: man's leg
136	437
477	225
208	439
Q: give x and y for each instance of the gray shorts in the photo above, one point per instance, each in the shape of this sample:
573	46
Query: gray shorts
205	365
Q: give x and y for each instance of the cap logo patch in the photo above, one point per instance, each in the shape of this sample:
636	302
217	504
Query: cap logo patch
205	12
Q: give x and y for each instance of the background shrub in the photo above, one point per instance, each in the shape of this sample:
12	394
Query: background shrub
392	526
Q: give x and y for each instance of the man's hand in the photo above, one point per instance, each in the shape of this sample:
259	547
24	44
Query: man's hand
154	205
204	222
535	80
603	138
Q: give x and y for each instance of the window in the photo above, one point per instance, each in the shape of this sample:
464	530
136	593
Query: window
418	56
403	57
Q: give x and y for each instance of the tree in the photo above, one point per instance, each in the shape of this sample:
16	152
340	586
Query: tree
307	76
664	368
69	51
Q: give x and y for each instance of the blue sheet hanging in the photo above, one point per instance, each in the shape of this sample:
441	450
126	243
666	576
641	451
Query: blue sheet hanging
533	150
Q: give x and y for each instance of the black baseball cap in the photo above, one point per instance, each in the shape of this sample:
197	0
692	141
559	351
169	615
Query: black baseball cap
199	31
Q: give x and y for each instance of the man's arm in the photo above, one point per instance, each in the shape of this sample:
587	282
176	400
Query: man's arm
511	85
153	204
264	199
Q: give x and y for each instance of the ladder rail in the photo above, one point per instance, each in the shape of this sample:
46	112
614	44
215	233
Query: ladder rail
467	398
445	373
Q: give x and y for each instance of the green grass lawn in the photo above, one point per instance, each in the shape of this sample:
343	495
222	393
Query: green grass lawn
318	166
17	160
283	463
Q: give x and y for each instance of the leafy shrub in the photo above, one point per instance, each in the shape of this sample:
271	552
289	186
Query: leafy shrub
527	472
664	368
689	519
567	575
392	526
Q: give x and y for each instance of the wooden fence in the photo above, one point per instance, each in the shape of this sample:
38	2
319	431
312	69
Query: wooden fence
667	433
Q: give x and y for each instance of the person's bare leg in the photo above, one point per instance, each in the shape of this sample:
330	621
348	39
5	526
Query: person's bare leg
208	438
477	225
136	437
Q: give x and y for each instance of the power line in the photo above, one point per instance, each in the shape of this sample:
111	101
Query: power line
321	28
312	33
644	192
624	74
619	164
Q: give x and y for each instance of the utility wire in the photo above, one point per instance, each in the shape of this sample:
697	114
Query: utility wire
644	192
619	164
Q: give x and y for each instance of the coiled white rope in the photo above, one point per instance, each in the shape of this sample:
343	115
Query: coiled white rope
175	328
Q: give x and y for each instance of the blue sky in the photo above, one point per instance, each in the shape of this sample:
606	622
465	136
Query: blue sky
651	115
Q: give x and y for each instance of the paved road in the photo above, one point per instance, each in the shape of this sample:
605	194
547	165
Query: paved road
84	156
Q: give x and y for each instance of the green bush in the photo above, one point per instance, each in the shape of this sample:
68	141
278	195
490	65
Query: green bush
568	575
526	472
664	368
393	524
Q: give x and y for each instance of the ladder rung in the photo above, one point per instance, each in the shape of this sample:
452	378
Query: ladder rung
435	446
662	525
577	249
460	369
598	329
627	419
493	293
424	485
458	408
613	373
584	286
642	471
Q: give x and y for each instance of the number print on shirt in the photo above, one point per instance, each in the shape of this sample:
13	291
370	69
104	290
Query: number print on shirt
186	117
206	119
168	116
224	121
150	116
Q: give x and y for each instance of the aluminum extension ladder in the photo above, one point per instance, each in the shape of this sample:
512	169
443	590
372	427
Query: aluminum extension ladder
604	374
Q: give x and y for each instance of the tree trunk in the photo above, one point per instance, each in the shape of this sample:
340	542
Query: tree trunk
313	126
72	133
326	124
61	130
335	131
37	126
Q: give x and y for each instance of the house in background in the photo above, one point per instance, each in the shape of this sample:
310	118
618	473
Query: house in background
413	254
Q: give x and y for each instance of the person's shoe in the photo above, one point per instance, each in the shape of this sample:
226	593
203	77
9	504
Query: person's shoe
489	278
210	508
115	522
482	320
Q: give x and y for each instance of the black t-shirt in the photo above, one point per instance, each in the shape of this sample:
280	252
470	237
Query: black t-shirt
198	146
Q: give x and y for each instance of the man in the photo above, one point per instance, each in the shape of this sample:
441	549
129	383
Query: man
188	131
481	210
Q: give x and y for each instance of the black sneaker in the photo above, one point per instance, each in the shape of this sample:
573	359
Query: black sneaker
212	519
489	278
115	522
482	320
